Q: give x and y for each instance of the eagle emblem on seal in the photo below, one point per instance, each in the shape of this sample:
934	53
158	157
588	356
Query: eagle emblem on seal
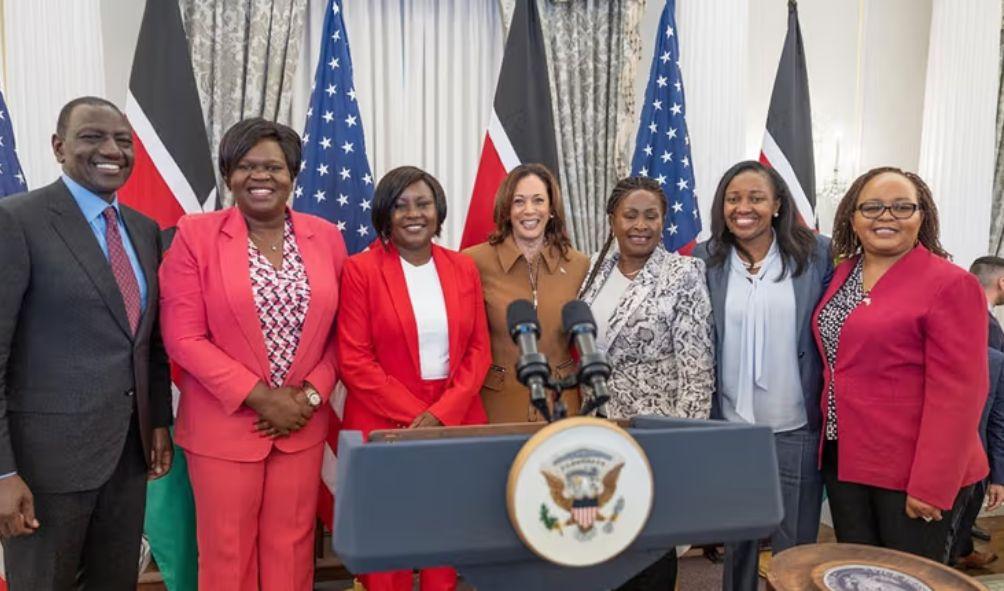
582	482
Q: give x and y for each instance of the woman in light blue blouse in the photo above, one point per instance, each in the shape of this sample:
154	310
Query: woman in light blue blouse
766	271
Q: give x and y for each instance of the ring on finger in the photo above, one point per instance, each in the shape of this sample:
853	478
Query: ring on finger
927	518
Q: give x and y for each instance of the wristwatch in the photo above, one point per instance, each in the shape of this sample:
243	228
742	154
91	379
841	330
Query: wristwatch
313	397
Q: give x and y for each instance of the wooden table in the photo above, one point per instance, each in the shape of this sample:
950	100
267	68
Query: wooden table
792	570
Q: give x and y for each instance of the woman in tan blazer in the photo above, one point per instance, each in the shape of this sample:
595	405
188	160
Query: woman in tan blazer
528	256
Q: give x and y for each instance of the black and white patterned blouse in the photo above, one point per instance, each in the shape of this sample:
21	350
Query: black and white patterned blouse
831	322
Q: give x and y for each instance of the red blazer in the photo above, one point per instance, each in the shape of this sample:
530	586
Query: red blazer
911	378
378	342
213	334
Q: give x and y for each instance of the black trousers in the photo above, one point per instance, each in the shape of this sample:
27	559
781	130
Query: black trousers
876	516
659	576
86	540
963	545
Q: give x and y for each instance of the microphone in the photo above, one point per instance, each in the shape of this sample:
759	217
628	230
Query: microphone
594	370
531	367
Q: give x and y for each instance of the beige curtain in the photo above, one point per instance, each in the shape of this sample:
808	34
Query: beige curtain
244	53
997	212
593	50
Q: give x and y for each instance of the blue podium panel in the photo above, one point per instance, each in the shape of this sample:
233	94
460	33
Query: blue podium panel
442	502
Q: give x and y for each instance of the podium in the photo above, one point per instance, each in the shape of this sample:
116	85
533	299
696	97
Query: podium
437	497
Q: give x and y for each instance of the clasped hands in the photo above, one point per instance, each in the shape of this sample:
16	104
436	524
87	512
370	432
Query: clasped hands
281	411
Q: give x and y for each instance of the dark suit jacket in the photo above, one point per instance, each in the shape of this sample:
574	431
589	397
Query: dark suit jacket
996	334
992	422
71	372
809	288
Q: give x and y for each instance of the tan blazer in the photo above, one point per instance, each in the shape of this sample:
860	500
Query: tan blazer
505	277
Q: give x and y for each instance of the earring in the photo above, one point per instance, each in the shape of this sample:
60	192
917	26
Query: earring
777	213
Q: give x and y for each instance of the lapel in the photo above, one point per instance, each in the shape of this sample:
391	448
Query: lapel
397	290
236	274
840	274
454	306
145	247
802	286
718	285
320	276
637	291
76	233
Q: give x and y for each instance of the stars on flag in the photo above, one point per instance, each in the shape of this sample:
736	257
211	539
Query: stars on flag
662	149
336	184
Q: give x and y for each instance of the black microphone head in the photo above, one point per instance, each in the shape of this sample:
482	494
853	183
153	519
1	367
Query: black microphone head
575	313
519	314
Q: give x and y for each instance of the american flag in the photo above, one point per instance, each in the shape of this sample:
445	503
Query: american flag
662	148
335	181
11	176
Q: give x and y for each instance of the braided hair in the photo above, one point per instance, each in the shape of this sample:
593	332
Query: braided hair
622	189
846	243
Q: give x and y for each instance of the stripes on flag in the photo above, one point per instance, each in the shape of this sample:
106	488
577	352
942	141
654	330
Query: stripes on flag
521	127
662	146
173	170
787	140
335	183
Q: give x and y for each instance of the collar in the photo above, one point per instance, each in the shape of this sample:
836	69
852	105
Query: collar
738	264
509	253
89	203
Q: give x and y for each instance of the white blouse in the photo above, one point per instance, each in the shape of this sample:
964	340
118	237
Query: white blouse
426	294
605	304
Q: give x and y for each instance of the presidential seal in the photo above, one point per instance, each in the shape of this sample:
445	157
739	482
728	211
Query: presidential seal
579	491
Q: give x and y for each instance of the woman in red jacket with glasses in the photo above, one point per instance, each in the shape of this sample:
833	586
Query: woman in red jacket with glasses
903	336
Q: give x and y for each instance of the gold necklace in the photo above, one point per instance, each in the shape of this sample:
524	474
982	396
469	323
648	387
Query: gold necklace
274	247
533	271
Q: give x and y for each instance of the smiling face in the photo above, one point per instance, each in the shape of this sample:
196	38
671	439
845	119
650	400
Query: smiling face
531	208
413	218
96	148
887	236
750	205
637	223
261	182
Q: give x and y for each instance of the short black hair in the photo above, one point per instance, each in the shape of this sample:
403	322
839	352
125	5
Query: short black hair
390	188
244	135
64	114
987	269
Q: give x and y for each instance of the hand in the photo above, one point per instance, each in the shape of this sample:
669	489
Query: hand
426	419
280	412
915	508
161	453
995	496
17	508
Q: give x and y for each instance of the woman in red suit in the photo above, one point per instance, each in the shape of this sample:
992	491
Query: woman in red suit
902	332
248	302
413	343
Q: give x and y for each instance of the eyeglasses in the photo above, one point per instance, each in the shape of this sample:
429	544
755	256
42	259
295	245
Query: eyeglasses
900	210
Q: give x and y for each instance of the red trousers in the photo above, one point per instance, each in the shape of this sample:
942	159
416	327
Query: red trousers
431	579
256	520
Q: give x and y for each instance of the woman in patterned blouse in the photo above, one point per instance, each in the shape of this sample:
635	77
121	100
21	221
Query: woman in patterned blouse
653	319
248	302
766	272
904	336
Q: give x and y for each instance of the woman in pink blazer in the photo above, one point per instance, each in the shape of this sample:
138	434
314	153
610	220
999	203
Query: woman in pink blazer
412	332
903	337
248	302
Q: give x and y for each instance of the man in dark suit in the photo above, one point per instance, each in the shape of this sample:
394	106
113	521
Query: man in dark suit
85	399
990	271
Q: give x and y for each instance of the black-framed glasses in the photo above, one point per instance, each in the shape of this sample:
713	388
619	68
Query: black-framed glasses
900	210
